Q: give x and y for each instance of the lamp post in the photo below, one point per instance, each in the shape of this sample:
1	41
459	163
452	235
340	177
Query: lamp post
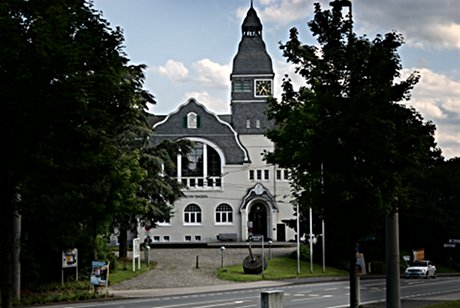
337	6
222	249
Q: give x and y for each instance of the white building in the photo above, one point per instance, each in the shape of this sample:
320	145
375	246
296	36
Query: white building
231	192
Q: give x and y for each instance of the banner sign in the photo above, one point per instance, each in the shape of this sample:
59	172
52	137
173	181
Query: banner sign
360	264
136	253
70	258
99	273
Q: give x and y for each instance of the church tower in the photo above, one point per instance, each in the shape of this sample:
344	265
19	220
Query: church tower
251	79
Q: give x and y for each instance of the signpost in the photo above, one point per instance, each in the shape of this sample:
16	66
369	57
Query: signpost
69	260
136	253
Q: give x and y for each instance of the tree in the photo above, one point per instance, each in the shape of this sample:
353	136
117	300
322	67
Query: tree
350	143
71	103
432	219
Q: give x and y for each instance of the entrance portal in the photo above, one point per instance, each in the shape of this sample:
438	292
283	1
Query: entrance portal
258	216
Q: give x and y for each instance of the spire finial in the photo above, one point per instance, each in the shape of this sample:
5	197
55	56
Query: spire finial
251	4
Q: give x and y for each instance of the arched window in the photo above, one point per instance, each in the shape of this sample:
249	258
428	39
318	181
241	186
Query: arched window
201	167
193	120
192	214
224	213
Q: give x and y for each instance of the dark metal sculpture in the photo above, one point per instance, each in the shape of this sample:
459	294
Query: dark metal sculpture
254	264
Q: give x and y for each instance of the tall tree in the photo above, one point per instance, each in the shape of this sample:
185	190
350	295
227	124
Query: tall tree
349	141
70	100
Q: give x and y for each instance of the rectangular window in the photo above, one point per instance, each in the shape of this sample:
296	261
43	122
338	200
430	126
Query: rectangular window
247	86
186	217
237	86
278	174
156	238
251	175
266	174
217	217
188	238
286	174
198	238
248	123
257	123
259	174
166	238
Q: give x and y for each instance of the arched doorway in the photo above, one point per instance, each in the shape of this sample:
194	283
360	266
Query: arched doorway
258	217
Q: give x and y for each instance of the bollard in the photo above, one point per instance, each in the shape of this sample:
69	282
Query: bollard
147	255
271	299
222	256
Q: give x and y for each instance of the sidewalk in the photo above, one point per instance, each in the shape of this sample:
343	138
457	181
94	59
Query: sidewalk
139	293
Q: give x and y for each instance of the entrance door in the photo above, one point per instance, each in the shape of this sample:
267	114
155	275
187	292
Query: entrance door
258	216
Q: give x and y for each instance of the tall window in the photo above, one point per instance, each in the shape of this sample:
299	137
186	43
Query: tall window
201	167
192	164
224	213
192	214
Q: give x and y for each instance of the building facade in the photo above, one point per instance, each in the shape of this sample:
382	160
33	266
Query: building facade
230	192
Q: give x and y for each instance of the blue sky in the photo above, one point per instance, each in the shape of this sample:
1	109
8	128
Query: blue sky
189	45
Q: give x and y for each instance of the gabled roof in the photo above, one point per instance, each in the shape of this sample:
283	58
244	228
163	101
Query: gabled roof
212	128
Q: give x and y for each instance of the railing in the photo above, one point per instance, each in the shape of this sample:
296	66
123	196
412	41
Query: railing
202	183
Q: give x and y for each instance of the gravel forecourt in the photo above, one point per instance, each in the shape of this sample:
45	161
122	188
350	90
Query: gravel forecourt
177	267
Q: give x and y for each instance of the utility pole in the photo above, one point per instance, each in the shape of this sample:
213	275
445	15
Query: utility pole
392	260
17	255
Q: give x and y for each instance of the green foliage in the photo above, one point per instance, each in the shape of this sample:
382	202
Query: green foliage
123	271
433	218
353	148
304	253
278	268
54	293
79	158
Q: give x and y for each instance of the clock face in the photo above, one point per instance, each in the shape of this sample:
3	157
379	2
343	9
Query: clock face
263	87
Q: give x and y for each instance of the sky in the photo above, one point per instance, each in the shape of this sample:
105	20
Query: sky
189	45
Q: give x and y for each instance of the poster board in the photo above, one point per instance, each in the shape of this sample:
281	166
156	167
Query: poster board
136	253
100	274
360	264
69	260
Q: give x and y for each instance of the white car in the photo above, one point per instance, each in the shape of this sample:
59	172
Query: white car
421	269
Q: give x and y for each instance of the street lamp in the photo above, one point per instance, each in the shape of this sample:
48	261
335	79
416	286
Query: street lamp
339	4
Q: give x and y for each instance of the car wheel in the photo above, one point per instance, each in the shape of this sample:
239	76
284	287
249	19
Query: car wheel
434	275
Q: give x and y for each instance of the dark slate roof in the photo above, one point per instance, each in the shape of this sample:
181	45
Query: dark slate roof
211	128
252	56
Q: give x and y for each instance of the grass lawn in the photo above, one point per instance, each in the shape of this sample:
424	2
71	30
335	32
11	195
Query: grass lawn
124	271
278	268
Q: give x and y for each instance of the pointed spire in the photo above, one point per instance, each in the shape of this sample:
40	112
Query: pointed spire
251	24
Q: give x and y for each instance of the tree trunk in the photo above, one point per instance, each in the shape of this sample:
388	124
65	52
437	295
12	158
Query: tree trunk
6	242
123	243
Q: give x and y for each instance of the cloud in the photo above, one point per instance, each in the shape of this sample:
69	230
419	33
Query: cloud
279	12
212	103
425	24
437	98
212	73
174	70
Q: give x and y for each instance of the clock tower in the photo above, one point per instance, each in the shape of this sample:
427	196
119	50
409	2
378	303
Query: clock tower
251	78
